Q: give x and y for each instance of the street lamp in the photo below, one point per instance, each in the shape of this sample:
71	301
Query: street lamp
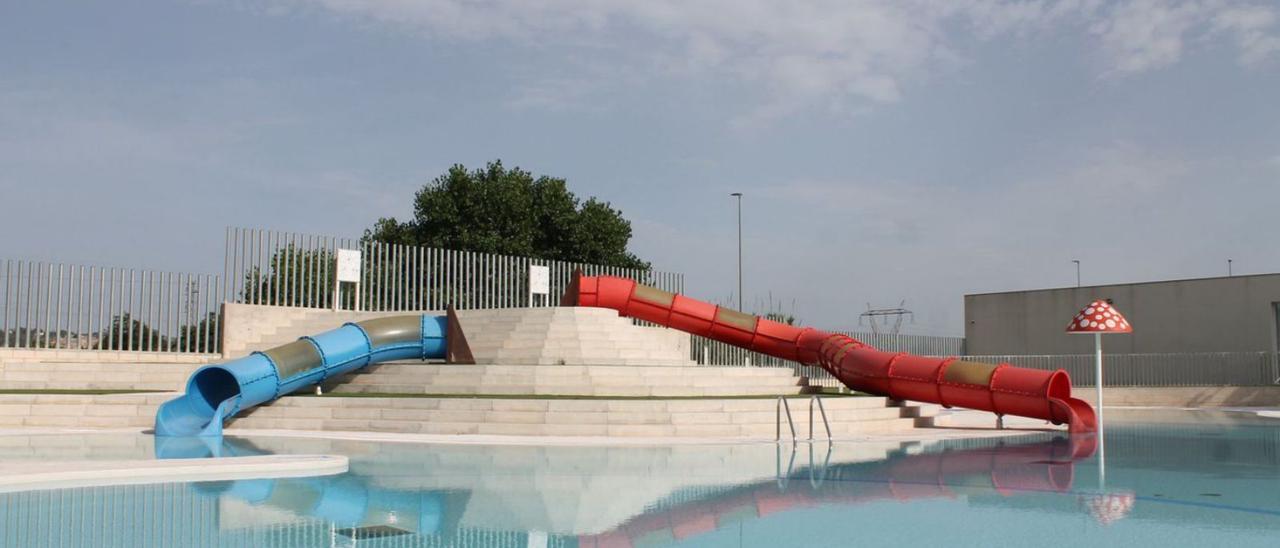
738	195
1077	271
1228	268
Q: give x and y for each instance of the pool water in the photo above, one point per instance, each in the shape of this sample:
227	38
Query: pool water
1171	479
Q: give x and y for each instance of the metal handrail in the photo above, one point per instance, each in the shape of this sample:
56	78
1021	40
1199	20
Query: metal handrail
782	404
784	479
823	411
816	482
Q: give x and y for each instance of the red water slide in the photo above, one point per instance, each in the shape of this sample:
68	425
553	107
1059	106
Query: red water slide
1002	389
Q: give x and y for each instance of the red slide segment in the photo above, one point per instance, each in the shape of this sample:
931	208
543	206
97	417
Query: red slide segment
1001	389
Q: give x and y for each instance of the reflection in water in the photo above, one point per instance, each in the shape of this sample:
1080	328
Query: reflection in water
1009	470
1221	479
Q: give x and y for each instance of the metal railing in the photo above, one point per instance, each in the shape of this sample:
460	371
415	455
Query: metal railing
705	351
292	269
1149	370
79	307
777	418
1158	370
815	399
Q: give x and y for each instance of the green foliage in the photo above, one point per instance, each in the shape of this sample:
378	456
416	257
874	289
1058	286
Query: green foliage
293	277
201	336
129	333
510	212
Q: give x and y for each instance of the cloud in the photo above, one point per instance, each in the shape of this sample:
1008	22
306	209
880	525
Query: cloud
837	54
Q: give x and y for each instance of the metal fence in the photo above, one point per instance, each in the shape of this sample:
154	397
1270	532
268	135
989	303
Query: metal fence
1146	370
705	351
67	306
1158	370
1151	370
291	269
708	352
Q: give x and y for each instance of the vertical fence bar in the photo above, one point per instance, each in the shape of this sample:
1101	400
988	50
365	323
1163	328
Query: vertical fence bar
226	259
131	316
57	312
80	307
48	301
8	275
10	301
218	304
303	255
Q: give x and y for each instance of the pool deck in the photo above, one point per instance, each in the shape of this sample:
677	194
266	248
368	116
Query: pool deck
34	475
31	474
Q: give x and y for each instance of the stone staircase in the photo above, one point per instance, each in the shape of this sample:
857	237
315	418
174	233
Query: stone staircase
569	336
729	418
539	336
751	418
77	375
570	380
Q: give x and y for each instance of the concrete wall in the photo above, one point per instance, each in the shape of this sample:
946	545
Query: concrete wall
1233	314
1186	396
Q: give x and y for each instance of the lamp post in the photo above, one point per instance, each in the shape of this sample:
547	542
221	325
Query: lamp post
1098	318
1228	268
738	195
1077	261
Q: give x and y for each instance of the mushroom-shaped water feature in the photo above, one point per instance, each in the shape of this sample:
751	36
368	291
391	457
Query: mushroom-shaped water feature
1098	318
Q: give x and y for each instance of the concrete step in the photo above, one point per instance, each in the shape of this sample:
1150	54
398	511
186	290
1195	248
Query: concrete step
570	390
733	418
666	418
593	370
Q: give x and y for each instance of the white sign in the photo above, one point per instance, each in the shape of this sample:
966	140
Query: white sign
349	265
539	280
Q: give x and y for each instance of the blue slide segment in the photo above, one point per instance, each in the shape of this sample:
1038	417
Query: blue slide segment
217	392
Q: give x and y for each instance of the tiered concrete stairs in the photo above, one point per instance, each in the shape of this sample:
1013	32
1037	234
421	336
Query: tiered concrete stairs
730	418
77	375
541	336
718	418
570	380
569	336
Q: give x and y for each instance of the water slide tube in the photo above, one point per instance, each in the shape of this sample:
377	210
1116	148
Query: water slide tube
1002	389
217	392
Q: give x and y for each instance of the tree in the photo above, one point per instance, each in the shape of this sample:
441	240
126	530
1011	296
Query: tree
510	212
129	333
293	277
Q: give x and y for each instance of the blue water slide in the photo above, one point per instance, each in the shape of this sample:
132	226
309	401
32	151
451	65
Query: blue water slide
217	392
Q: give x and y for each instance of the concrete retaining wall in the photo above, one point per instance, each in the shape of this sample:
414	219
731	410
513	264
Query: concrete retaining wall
1188	396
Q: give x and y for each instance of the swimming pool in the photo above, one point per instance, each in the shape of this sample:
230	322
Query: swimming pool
1172	479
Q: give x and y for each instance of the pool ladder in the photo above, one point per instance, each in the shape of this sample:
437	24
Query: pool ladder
784	406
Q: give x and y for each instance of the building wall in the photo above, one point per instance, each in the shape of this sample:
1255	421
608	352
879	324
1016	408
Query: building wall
1235	314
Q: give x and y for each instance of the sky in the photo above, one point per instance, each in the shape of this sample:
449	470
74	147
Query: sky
888	151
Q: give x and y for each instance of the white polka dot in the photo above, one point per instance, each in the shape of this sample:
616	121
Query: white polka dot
1088	310
1093	324
1097	316
1111	323
1107	314
1084	323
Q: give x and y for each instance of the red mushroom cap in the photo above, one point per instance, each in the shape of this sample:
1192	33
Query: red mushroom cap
1099	317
